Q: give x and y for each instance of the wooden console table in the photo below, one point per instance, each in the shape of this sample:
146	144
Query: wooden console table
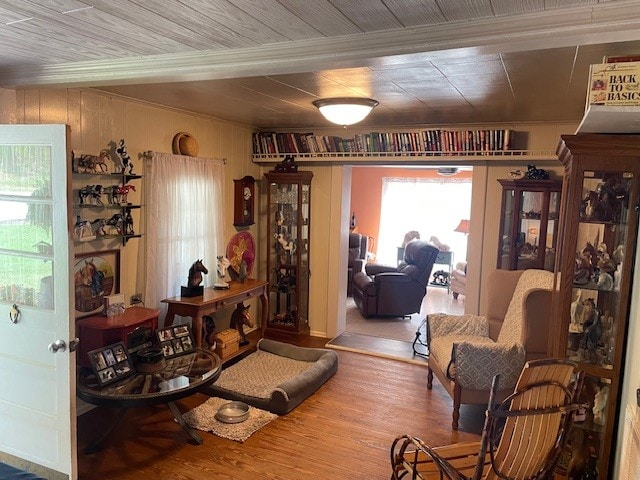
214	300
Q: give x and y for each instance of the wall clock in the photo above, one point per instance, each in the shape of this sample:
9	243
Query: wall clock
243	200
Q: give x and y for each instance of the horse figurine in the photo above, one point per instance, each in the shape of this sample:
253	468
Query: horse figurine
82	229
125	159
209	331
93	191
239	318
195	273
222	268
117	221
123	192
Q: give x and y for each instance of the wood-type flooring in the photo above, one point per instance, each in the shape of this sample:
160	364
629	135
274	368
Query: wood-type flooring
343	431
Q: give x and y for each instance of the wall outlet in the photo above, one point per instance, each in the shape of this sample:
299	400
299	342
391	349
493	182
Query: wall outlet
135	299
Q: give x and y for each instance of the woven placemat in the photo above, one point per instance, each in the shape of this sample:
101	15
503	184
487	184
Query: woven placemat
203	417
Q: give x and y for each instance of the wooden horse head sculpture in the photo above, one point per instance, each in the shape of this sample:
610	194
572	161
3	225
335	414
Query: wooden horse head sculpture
195	273
239	318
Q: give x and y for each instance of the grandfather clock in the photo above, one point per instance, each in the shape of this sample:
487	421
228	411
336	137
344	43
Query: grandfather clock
288	226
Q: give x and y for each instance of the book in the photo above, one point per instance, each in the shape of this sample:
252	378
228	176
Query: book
614	84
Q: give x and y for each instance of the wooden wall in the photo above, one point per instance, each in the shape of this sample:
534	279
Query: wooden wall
97	119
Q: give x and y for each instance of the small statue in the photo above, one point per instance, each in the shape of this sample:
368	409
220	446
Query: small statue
195	273
287	165
600	405
534	173
239	318
193	288
121	151
209	333
222	268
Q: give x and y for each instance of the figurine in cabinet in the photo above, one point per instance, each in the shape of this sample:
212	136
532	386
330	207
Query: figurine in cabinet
600	405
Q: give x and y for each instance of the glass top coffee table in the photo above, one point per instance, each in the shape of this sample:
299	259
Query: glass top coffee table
161	383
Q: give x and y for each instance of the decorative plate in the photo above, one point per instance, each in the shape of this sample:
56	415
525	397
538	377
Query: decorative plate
241	247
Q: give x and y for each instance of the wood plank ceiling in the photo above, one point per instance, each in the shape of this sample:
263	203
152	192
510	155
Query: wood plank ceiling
262	62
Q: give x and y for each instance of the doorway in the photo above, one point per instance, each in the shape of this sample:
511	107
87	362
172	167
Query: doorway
388	202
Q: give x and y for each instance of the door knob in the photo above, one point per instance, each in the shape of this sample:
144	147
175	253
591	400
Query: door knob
57	345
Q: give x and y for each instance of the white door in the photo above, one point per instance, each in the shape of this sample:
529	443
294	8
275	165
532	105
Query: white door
37	387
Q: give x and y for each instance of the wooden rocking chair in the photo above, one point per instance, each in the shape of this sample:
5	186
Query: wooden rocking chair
522	437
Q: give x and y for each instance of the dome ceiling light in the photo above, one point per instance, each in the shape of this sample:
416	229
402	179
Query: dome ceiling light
345	111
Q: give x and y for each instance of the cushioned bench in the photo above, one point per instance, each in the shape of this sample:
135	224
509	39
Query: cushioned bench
252	381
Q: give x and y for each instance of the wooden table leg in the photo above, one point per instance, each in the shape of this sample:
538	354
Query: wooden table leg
169	317
196	328
264	303
177	414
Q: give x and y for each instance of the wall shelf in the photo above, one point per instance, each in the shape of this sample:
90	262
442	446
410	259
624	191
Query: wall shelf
410	157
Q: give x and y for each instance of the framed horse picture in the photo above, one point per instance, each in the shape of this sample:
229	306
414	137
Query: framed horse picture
96	276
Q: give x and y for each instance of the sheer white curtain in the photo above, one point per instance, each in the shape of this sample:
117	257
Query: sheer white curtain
184	221
432	206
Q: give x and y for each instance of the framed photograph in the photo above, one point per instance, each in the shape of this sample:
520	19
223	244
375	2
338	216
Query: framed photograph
114	305
110	363
96	276
175	340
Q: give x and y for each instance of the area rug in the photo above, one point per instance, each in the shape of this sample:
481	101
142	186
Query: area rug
203	417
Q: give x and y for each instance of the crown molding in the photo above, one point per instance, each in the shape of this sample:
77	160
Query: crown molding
613	21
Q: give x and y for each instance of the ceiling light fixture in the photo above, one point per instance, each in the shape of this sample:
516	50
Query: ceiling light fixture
345	111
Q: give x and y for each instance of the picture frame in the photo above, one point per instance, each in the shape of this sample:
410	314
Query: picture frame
114	305
110	363
96	276
175	340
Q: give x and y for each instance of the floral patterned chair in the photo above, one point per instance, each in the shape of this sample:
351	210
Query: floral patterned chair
467	351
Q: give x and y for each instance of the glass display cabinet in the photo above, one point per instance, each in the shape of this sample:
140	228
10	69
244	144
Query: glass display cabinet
593	285
288	224
528	224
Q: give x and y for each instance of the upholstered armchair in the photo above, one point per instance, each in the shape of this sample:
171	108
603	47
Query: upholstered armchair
386	291
459	279
466	351
358	245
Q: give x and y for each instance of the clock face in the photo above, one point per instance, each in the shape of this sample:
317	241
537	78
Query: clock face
246	193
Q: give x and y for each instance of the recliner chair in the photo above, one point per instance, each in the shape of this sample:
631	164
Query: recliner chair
386	291
358	245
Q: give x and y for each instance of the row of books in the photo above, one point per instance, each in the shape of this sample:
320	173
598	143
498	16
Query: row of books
440	141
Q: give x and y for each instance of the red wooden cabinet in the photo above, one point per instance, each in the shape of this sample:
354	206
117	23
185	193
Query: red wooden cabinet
99	331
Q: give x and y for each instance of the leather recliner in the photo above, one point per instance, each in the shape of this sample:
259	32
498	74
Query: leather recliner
358	245
386	291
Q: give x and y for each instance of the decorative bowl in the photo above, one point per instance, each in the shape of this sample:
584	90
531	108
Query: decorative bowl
233	412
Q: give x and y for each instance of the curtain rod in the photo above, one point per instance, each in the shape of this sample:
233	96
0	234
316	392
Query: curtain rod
151	153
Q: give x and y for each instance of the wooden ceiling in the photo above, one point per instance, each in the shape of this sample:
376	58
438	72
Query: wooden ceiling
262	62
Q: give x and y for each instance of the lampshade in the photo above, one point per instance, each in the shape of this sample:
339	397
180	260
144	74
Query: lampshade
345	111
463	227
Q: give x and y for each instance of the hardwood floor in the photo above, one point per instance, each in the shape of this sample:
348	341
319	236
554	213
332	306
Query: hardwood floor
343	431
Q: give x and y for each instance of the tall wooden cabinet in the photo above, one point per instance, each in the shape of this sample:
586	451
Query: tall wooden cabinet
528	224
288	238
593	283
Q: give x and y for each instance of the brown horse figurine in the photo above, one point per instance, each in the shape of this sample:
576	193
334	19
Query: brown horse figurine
239	318
195	273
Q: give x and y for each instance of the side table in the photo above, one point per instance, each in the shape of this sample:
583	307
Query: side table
98	331
213	300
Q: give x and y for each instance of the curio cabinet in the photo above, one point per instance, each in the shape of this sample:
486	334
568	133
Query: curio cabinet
288	224
528	224
593	282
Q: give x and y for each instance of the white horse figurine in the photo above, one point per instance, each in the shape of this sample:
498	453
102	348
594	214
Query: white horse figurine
222	267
